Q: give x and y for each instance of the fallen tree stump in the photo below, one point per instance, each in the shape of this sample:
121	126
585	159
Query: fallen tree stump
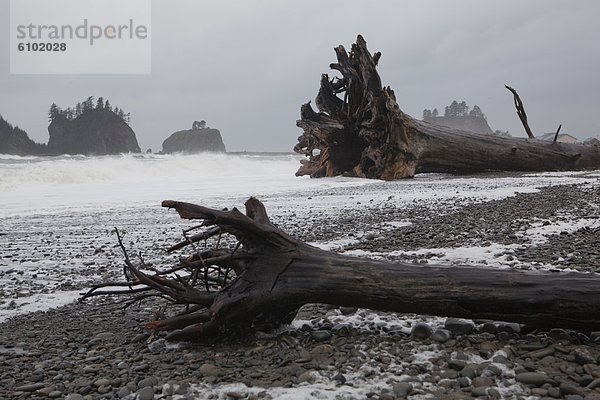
260	283
366	134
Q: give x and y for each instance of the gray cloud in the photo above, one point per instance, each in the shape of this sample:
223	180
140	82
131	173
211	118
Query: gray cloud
246	67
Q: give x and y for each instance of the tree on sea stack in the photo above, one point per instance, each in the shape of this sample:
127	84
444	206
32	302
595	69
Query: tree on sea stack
359	130
260	278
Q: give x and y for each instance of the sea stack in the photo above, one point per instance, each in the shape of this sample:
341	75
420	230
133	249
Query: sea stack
96	131
196	140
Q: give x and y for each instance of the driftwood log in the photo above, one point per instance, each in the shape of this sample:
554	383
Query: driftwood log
521	111
265	275
359	130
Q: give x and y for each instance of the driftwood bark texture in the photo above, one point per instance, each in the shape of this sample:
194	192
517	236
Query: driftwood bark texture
265	275
359	130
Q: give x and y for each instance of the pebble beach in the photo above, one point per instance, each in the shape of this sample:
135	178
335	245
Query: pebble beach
51	346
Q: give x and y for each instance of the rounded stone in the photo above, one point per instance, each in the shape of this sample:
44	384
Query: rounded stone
464	382
340	378
320	335
146	393
459	326
102	382
123	392
493	393
307	376
573	397
322	349
347	310
457	365
421	330
441	335
147	382
533	378
554	392
341	329
479	391
584	356
209	370
402	389
104	389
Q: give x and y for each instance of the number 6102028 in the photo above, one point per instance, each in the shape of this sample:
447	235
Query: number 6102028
42	46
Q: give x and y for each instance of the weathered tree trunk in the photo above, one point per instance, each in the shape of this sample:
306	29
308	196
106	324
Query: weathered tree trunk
365	134
275	274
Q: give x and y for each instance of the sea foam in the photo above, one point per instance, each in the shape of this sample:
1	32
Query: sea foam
58	184
19	172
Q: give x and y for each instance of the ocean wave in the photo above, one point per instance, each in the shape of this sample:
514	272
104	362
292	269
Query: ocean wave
15	157
135	168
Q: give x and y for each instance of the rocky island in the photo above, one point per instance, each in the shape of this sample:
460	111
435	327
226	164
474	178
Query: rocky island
196	140
90	130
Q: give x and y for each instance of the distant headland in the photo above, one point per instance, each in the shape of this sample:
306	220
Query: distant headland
460	116
14	140
90	128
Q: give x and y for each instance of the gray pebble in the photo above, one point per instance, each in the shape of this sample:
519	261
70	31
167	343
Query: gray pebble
123	392
307	376
104	336
470	371
140	337
584	356
146	393
151	381
340	378
341	329
104	389
402	389
554	392
457	365
573	397
421	330
479	391
459	326
320	335
441	335
493	393
533	378
30	388
347	310
464	382
102	382
209	370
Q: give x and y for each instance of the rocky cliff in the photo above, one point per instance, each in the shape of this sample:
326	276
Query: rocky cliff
96	131
16	141
194	141
466	123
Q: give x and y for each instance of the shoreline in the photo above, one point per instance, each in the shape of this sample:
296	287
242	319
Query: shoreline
98	350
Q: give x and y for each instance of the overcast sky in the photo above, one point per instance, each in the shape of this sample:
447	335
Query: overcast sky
246	66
